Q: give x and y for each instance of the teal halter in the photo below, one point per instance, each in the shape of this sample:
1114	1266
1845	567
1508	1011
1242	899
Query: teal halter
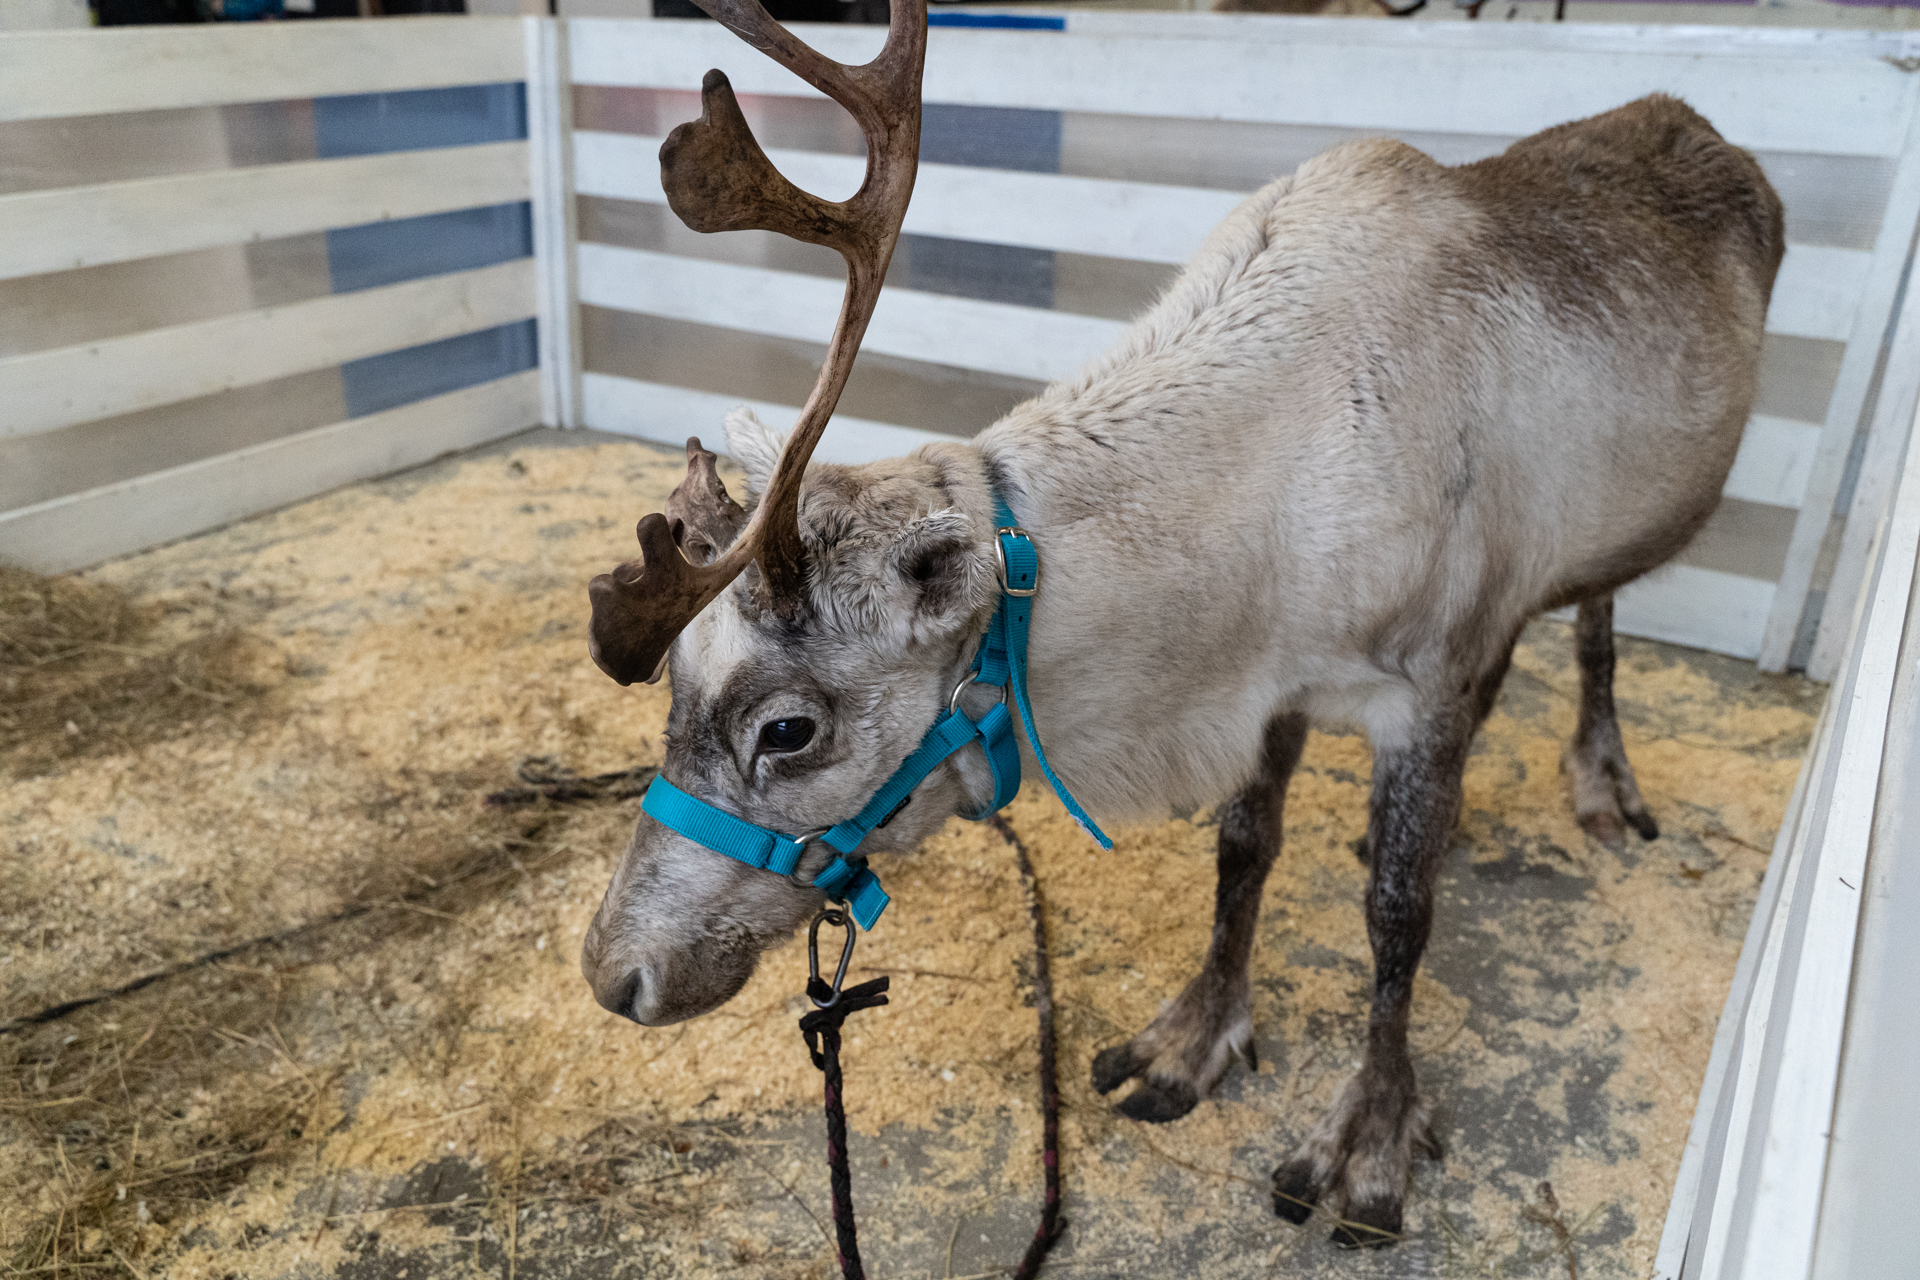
1000	660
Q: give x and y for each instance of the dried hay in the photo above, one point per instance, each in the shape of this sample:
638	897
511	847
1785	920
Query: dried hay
84	670
137	1111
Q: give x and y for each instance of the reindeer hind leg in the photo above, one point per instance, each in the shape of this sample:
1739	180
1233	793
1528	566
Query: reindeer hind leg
1605	794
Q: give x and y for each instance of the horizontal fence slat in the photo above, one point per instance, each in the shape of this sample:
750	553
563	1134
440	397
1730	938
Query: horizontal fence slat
1775	456
1021	342
1700	608
1815	296
1818	291
1491	84
47	74
1140	221
1799	43
47	390
1775	459
119	221
668	415
86	528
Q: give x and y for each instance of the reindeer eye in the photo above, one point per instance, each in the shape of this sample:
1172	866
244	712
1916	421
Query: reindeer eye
786	735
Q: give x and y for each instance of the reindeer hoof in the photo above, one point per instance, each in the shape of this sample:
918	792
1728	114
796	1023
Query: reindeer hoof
1358	1159
1605	828
1159	1101
1181	1055
1606	799
1373	1226
1295	1191
1114	1067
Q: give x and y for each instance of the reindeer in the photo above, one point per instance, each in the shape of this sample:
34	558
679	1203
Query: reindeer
1390	412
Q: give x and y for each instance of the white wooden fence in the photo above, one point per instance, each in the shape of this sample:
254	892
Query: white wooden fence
1799	1162
82	73
1832	116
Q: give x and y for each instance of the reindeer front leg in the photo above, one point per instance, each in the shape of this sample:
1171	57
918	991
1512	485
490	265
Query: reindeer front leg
1184	1051
1360	1154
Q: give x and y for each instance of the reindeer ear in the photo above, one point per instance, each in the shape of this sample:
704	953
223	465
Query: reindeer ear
754	445
701	513
949	569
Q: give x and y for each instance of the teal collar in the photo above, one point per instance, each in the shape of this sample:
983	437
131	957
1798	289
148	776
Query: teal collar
1000	660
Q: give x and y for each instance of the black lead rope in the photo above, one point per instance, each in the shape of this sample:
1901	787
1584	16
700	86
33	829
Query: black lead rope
822	1031
1048	1233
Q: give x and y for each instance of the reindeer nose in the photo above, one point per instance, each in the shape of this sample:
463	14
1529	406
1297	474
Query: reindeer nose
621	997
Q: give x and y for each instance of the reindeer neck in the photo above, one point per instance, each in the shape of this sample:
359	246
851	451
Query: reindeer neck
1162	608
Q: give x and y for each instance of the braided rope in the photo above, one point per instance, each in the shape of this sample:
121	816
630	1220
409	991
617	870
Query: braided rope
822	1030
1051	1225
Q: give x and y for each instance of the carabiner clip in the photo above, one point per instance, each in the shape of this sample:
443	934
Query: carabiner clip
839	919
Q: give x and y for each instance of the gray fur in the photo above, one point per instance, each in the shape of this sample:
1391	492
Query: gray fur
1389	412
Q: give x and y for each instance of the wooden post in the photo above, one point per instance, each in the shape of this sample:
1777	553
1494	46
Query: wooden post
555	228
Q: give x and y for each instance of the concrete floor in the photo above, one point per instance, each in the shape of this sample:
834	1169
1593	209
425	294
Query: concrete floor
412	1079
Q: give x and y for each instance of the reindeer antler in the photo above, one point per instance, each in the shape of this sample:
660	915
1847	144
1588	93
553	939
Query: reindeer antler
718	179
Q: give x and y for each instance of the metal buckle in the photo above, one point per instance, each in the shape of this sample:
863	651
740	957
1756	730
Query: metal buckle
953	700
1015	531
840	920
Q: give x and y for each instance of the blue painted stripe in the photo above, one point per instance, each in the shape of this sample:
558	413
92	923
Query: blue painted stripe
434	244
1003	21
368	124
383	253
388	381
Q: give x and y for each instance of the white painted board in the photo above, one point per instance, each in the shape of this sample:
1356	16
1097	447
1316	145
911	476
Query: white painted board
47	390
1892	251
1816	295
1700	608
555	220
74	227
1140	221
1020	342
87	528
1367	76
668	415
1887	443
47	74
1775	458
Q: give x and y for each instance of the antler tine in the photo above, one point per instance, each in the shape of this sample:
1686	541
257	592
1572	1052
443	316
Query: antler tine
718	179
866	91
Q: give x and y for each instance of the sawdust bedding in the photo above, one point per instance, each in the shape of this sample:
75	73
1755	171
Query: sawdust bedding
408	1075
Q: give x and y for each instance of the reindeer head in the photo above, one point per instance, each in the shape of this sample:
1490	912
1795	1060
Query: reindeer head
815	632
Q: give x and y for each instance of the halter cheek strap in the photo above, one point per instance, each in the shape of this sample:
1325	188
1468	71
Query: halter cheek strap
1001	660
1006	643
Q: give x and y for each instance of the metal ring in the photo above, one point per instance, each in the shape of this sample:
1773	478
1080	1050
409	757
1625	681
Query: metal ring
999	549
803	841
971	678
